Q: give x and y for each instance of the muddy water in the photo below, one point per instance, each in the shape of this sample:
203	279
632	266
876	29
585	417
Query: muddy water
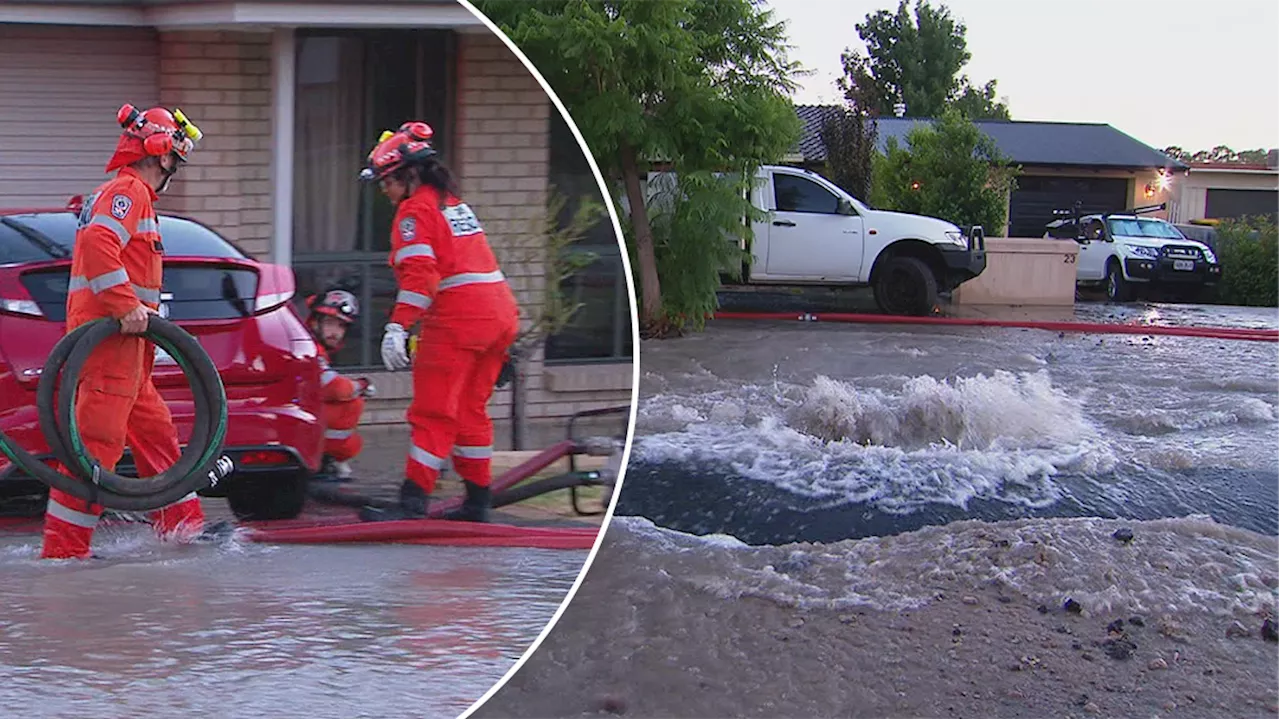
243	630
842	520
788	431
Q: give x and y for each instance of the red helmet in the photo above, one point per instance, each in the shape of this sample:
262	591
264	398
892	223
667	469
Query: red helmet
408	145
335	303
153	133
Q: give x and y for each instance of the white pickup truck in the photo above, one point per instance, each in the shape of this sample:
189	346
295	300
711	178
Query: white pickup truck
818	234
1127	253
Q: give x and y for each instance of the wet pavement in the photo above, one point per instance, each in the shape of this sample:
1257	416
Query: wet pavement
247	630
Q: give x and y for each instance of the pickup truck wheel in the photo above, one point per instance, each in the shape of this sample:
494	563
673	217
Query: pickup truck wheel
906	286
262	496
1118	289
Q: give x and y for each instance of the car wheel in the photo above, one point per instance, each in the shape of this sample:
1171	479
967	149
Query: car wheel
906	286
1118	289
268	496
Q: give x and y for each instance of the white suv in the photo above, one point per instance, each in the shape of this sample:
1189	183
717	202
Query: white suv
1124	251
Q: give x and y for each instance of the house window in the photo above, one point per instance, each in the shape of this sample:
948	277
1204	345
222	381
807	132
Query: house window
601	329
350	87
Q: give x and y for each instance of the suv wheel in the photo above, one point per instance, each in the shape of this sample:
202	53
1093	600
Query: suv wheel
268	496
906	286
1118	289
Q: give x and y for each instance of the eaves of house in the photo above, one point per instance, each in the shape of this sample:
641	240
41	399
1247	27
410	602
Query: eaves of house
242	15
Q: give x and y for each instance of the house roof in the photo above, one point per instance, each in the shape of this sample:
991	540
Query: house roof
1024	142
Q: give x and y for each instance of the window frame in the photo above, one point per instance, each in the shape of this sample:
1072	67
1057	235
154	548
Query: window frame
365	261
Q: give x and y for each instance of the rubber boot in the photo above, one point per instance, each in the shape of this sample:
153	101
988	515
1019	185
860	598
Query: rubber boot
216	532
475	508
413	505
331	470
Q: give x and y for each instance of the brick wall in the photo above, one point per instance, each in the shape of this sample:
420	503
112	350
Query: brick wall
222	82
503	154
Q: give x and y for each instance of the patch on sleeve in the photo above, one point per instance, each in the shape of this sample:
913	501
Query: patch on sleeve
120	206
408	229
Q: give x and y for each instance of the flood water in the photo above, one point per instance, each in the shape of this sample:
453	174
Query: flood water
243	629
845	520
785	431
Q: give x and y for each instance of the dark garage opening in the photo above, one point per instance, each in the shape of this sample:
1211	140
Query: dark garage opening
1239	203
1032	204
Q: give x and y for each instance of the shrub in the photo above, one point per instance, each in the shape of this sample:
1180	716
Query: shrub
1247	249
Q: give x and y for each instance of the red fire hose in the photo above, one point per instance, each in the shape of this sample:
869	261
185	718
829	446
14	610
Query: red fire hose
345	528
437	531
1226	333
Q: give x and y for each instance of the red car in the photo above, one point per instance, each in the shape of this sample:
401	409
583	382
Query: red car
239	309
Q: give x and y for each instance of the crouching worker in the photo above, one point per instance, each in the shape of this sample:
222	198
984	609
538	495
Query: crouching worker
450	285
116	267
329	316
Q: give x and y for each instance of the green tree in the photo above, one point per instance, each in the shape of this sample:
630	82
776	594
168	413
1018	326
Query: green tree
917	61
1221	153
701	85
849	135
950	170
1247	249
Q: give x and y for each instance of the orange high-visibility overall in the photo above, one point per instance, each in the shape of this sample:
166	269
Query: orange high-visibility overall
343	406
449	280
115	264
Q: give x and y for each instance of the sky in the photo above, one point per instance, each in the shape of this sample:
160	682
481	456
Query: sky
1192	73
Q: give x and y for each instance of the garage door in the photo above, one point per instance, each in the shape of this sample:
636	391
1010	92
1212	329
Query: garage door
59	93
1033	202
1239	203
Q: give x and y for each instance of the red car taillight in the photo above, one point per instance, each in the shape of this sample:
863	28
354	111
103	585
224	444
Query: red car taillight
264	457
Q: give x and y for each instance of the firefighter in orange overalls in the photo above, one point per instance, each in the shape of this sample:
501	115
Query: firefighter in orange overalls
450	285
116	268
329	316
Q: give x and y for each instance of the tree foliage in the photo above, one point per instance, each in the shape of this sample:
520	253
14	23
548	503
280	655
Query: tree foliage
1247	249
950	170
552	242
1222	154
693	204
849	135
701	85
917	61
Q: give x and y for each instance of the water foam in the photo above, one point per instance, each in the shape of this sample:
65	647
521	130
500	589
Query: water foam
1172	565
1152	421
1002	436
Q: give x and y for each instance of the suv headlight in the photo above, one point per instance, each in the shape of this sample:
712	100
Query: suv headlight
956	237
1208	255
1143	251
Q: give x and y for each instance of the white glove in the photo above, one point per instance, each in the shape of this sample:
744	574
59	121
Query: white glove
366	388
394	355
